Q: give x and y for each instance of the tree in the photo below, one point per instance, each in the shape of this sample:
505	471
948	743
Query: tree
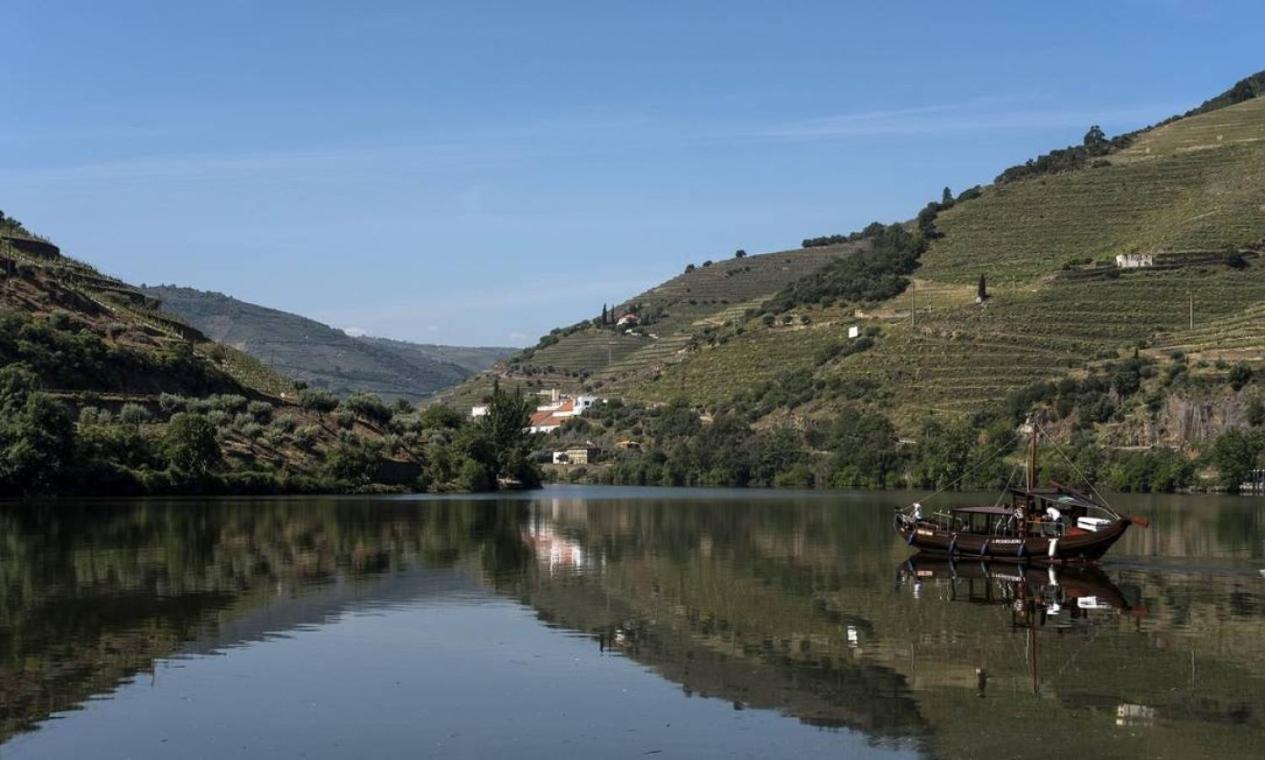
946	198
605	315
500	439
369	407
1240	375
981	292
37	435
190	445
740	254
1234	455
354	461
441	417
133	414
1095	138
321	402
36	446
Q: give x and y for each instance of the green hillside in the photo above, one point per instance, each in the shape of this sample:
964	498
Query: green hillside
1192	190
321	356
84	331
675	317
103	393
1149	371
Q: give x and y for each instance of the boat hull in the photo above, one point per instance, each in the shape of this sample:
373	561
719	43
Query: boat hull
1088	546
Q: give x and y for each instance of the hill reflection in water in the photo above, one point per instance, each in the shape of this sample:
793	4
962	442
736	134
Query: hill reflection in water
801	609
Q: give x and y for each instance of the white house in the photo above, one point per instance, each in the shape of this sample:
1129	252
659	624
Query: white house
551	416
1135	260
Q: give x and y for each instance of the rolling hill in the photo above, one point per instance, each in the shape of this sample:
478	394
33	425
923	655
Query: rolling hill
1188	193
322	356
674	316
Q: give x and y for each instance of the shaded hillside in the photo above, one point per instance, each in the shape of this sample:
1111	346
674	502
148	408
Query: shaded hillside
80	330
320	355
472	359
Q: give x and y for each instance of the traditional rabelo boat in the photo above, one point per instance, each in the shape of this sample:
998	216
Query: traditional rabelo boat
1055	523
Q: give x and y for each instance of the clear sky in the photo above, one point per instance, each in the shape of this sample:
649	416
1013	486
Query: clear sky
479	172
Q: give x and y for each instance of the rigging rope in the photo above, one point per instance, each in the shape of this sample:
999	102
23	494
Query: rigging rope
1079	471
993	455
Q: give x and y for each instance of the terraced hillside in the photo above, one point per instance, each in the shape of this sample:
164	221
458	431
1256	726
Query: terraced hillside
320	355
85	331
674	315
1193	188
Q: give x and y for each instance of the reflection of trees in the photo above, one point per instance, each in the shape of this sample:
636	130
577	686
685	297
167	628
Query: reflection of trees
91	595
795	609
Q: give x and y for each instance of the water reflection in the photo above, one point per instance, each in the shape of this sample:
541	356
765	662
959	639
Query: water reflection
783	605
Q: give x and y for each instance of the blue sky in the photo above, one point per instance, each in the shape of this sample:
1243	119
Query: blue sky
479	172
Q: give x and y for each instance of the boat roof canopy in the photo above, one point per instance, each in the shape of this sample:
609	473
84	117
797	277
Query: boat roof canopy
1058	497
999	511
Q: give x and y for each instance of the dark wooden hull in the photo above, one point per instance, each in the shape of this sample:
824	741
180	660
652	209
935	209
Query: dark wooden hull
1081	547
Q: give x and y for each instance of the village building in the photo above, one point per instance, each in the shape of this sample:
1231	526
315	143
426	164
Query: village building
577	455
549	417
1135	260
628	320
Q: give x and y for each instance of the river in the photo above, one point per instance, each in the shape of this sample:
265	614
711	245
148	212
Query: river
615	622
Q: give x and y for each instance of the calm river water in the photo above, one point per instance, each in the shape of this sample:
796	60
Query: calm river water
588	622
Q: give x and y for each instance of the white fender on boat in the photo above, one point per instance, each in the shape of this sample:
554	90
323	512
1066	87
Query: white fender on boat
1054	545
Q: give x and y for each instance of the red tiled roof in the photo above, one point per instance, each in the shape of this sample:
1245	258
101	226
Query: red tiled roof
546	419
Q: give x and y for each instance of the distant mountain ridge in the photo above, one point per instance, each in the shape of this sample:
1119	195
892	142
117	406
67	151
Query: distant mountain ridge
323	356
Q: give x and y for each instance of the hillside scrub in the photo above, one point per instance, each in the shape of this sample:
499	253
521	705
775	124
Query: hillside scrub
876	273
218	444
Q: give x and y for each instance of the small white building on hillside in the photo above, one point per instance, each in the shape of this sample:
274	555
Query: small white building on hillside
551	416
1135	260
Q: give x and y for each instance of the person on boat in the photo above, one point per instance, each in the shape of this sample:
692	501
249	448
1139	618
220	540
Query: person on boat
917	511
1053	514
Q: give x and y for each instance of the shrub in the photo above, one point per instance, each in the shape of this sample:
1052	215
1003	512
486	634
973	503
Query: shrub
369	407
170	403
134	414
91	415
307	436
261	411
321	402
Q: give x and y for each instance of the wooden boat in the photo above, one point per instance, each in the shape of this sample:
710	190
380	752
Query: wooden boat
1052	524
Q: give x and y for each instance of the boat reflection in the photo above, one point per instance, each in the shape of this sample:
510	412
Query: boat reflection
1057	599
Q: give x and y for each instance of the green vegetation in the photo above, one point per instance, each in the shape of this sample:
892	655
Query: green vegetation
229	444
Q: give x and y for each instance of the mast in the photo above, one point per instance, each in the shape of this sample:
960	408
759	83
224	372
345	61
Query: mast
1032	455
